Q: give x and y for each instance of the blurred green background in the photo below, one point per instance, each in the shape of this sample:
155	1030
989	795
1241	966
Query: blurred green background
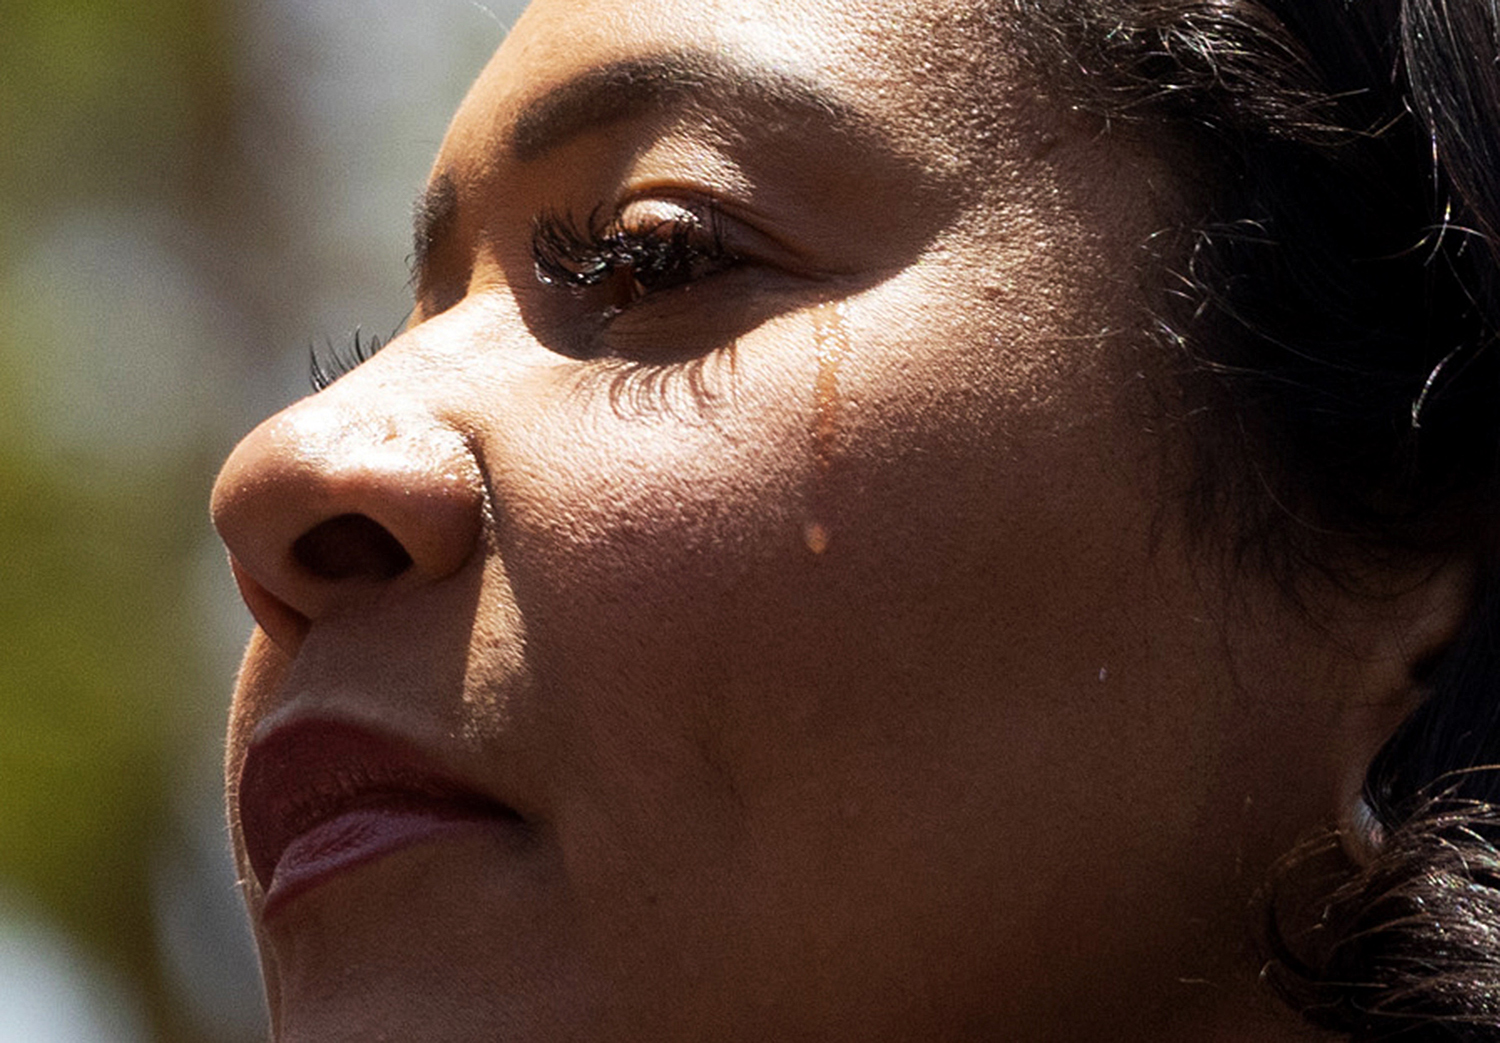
193	191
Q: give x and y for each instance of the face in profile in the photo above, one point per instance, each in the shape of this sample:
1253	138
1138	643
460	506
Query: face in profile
744	604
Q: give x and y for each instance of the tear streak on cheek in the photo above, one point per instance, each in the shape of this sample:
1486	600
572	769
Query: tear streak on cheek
830	329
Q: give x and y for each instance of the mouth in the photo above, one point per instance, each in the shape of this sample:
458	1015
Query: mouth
318	799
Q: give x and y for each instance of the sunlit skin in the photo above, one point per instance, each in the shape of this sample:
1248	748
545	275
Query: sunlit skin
825	615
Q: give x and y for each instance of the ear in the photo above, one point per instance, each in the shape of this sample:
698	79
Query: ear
1393	636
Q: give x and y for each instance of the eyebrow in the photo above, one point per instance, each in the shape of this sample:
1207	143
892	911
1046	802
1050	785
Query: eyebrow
659	83
433	216
724	89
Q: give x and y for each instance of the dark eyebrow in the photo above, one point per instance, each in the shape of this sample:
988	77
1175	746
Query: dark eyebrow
727	91
434	215
638	86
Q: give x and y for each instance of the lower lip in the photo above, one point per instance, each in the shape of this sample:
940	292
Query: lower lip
358	837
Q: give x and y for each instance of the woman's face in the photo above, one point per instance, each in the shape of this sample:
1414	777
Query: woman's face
765	622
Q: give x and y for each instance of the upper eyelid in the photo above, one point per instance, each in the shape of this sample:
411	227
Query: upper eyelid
746	229
567	250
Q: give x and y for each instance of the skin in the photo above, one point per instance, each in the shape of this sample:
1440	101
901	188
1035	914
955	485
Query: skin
826	618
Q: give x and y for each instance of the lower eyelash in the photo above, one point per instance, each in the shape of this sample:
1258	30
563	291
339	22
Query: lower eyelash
691	389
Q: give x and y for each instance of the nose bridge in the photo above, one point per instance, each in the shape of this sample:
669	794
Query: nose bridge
340	496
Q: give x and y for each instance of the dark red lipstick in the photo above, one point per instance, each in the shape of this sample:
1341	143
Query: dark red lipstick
318	798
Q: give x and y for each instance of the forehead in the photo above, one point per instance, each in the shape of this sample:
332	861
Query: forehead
852	39
912	68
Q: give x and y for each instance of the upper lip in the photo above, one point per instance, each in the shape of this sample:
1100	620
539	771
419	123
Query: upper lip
308	772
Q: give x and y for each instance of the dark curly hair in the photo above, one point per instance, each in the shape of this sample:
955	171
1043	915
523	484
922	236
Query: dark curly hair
1331	316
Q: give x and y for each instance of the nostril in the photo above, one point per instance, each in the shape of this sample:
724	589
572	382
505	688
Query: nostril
351	546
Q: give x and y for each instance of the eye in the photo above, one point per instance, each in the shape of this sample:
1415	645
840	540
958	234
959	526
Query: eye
613	262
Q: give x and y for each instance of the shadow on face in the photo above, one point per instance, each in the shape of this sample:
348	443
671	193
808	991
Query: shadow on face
786	639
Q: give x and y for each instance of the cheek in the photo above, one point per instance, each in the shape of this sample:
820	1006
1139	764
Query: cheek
853	511
912	720
648	508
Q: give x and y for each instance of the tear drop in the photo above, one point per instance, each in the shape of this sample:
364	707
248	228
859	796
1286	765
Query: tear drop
815	536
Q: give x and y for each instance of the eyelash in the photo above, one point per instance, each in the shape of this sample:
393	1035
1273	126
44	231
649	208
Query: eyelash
627	262
630	263
328	361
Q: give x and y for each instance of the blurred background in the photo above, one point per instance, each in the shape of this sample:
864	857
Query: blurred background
191	192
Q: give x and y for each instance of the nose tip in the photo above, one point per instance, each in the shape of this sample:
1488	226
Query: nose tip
323	506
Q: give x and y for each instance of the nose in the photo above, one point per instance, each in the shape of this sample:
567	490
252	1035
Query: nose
331	503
